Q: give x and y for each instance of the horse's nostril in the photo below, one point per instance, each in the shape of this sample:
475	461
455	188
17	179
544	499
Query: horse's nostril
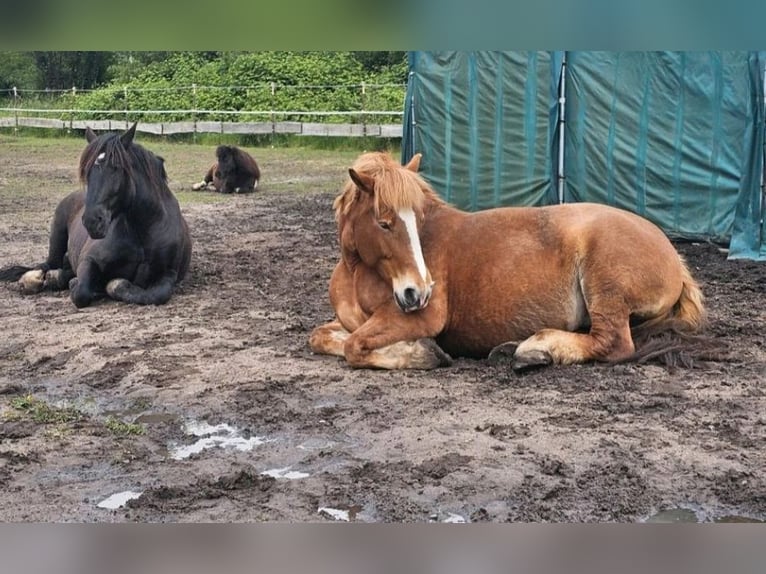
410	296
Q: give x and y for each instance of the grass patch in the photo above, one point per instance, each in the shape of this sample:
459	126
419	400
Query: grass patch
193	197
121	428
294	167
43	413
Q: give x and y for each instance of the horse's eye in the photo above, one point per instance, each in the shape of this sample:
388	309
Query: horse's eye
384	224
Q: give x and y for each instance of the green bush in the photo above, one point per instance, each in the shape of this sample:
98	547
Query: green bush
251	82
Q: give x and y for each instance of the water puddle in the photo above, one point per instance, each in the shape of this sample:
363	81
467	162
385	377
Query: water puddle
155	418
118	500
693	514
340	514
285	473
222	435
334	513
673	516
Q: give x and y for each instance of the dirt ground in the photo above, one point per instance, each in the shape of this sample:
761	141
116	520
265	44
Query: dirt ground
108	399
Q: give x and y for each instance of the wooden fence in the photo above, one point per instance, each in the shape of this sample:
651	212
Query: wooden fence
215	127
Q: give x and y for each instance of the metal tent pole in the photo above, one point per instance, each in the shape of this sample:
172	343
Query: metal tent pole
763	166
562	122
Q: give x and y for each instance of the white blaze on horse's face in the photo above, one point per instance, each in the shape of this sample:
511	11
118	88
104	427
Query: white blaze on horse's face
413	293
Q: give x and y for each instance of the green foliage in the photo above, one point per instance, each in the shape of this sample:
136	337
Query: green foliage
43	413
121	428
18	69
379	61
62	70
265	82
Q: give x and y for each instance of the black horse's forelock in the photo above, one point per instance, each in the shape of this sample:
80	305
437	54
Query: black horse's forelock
133	159
238	159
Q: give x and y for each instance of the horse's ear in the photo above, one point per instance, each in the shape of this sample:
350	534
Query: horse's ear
127	138
363	182
89	134
414	163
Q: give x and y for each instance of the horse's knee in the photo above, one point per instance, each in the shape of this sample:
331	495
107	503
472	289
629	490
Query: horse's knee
79	296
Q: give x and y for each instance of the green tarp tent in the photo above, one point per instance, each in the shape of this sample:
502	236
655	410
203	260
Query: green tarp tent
674	136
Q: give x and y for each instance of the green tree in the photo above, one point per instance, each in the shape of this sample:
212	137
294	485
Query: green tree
18	69
63	70
375	62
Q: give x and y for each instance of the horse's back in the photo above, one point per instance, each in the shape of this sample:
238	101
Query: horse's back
512	271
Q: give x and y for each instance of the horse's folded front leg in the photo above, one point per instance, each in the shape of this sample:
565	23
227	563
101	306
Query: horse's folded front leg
397	341
421	354
329	339
155	294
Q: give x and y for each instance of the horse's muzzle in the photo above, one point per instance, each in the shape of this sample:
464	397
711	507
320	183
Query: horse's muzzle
96	226
412	299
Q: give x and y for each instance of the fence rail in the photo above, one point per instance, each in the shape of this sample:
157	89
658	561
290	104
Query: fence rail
364	113
216	127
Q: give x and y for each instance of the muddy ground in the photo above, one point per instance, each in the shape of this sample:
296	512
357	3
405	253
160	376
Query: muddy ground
106	400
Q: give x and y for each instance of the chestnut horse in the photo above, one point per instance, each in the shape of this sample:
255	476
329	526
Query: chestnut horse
419	280
235	172
122	236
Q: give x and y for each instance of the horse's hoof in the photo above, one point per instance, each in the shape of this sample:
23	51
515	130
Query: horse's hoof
503	353
198	186
32	281
531	360
433	355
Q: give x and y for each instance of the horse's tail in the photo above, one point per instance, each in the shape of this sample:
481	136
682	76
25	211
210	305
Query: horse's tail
14	272
676	337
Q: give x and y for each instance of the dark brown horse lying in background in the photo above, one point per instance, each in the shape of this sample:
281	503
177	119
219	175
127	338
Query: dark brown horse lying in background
124	235
235	172
560	284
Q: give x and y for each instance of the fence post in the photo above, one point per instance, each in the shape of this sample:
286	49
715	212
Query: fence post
273	119
71	113
364	107
194	113
16	108
125	99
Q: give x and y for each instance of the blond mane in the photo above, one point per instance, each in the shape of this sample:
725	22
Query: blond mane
396	187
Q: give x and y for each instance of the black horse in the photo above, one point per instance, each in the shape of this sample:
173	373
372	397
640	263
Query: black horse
235	172
123	236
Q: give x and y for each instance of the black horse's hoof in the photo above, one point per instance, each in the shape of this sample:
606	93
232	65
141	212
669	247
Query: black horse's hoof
530	360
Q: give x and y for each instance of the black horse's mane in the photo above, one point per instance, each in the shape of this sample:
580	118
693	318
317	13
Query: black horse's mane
242	160
134	158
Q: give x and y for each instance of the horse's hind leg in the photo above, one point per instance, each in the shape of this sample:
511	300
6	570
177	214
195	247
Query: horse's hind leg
52	279
55	273
608	339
